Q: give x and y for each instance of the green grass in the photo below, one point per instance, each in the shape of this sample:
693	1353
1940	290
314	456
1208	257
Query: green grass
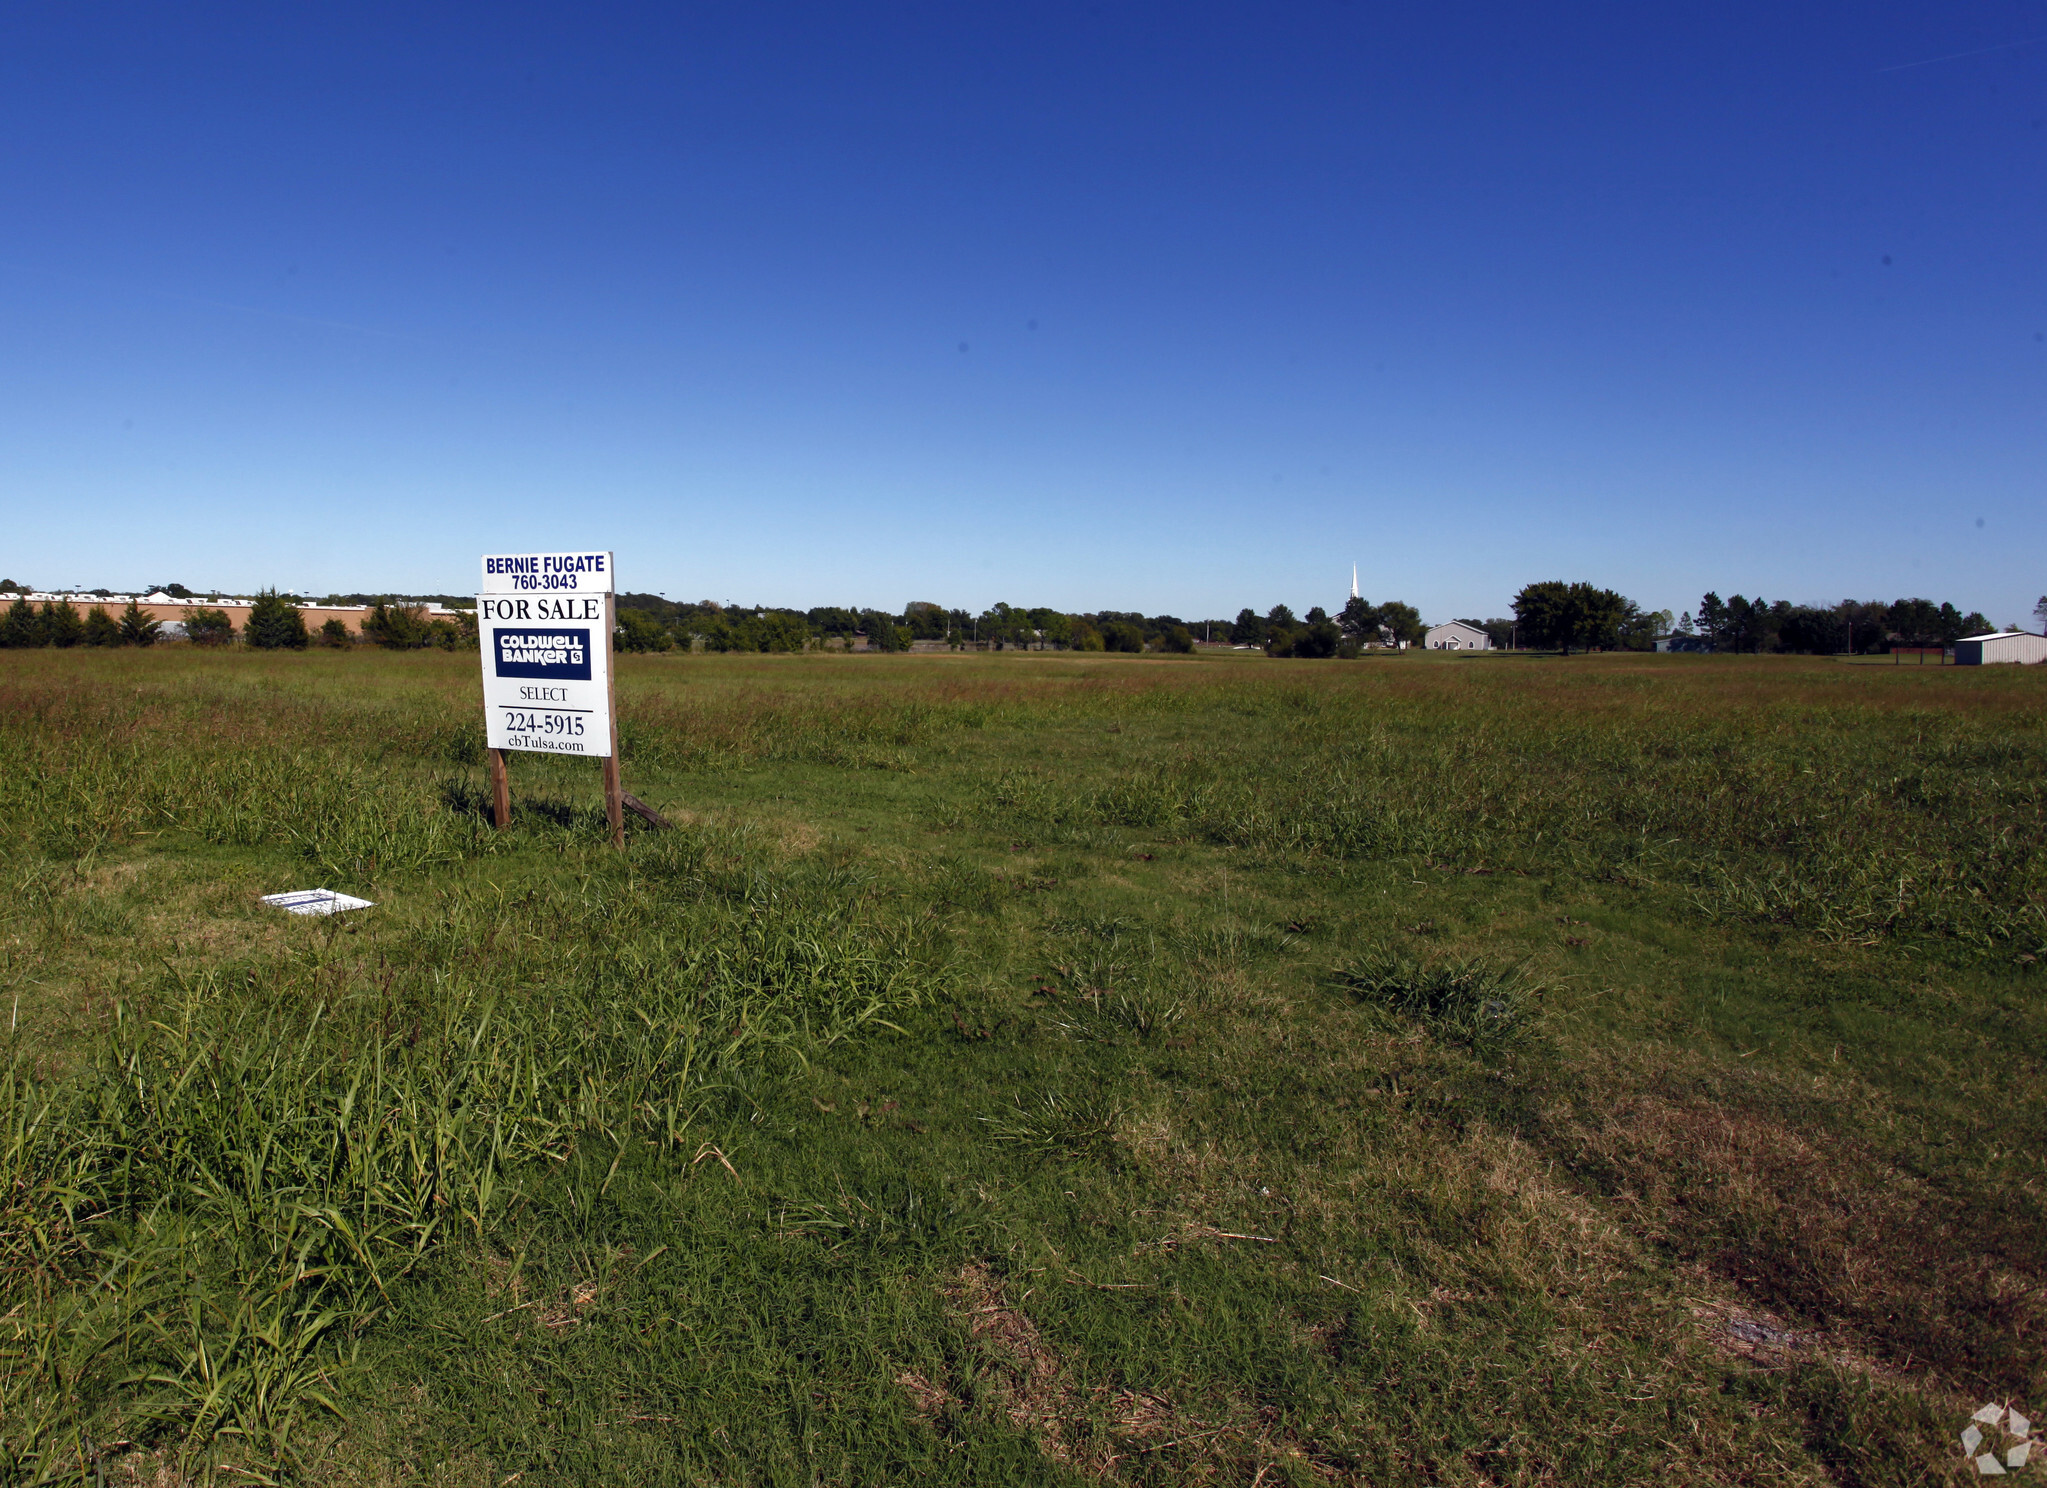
1024	1069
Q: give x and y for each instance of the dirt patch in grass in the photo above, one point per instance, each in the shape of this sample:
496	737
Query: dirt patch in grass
1089	1430
1757	1336
1809	1224
932	1402
1031	1387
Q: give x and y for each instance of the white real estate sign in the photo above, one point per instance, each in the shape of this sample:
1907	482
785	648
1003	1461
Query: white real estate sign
545	622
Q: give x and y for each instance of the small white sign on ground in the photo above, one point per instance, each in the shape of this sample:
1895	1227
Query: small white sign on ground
316	901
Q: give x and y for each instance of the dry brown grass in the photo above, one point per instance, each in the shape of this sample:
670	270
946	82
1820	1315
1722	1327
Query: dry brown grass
1102	1432
1803	1219
1031	1387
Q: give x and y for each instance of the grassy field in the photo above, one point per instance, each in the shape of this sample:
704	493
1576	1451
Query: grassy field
1025	1069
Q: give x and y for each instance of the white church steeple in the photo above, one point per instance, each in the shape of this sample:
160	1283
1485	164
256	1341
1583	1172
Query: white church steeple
1353	581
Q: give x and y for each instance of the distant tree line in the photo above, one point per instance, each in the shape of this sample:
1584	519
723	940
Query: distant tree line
1551	615
648	622
1359	626
1852	626
274	623
58	623
410	627
1583	617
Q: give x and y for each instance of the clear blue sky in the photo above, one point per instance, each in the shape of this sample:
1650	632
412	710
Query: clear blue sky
1167	307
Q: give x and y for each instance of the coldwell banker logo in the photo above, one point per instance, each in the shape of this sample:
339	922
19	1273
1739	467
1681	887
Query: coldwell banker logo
551	654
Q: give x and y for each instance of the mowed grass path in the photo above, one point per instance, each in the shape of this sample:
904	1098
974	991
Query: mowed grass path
1025	1069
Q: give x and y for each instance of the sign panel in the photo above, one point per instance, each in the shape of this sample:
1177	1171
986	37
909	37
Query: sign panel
316	902
546	573
547	670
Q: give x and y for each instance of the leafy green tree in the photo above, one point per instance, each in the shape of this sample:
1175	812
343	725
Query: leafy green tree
22	628
1178	639
1248	629
1737	626
832	621
1639	630
926	621
101	629
1404	620
1811	631
763	630
61	625
138	626
1865	623
398	627
1085	637
1713	621
275	624
204	627
783	631
1122	635
1359	619
1318	640
1921	622
1749	624
1553	614
1281	627
1541	612
1157	627
640	631
334	633
884	632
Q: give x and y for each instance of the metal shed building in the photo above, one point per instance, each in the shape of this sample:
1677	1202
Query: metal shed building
2000	646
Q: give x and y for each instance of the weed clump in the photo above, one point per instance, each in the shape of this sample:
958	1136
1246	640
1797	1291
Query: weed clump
1474	1001
1078	1127
1111	1017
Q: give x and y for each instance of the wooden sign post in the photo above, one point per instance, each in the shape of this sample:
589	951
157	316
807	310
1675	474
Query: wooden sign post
544	622
614	788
